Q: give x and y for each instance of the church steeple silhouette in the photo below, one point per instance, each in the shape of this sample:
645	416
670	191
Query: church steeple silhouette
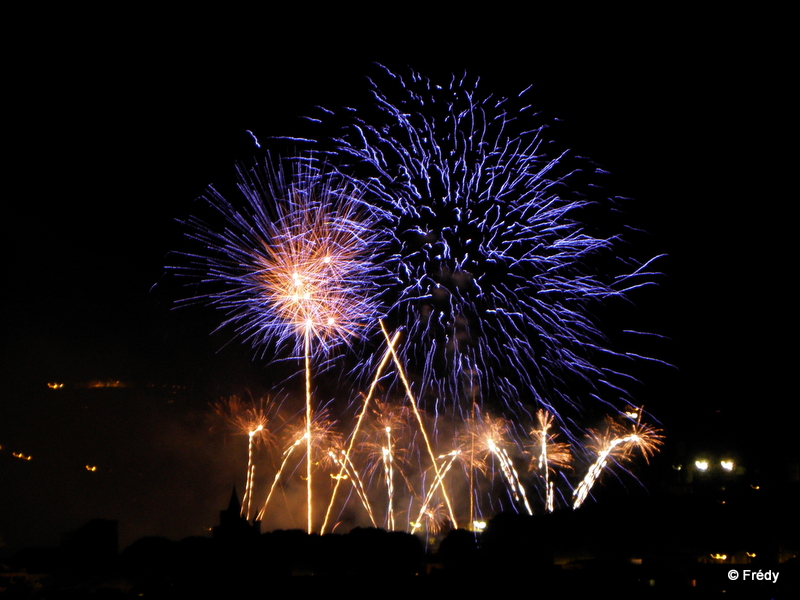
234	504
232	525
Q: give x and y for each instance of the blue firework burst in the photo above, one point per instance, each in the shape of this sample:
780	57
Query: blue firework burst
293	263
494	276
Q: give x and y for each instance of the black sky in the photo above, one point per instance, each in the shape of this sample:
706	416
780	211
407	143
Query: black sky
112	135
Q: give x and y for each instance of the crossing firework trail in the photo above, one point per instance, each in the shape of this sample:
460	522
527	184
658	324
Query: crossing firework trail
494	275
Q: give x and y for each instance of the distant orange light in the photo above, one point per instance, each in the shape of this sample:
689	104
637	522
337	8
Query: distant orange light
91	468
20	455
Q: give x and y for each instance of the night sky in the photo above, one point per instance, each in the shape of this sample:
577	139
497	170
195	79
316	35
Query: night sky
111	137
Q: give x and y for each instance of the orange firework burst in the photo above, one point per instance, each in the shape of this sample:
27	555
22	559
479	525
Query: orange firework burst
546	453
617	443
489	435
309	274
248	418
621	440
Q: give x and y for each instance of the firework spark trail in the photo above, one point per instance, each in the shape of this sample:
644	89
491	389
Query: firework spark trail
510	473
472	457
387	453
250	419
384	453
321	434
351	472
378	373
487	436
251	470
389	473
359	484
441	471
309	417
551	454
617	443
492	269
320	437
545	466
287	453
582	491
413	402
522	492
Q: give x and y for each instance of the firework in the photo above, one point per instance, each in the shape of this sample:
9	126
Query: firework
390	352
490	437
294	263
250	420
340	458
490	264
388	467
319	439
416	411
453	212
362	414
547	454
433	519
389	424
286	455
293	266
441	471
617	443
